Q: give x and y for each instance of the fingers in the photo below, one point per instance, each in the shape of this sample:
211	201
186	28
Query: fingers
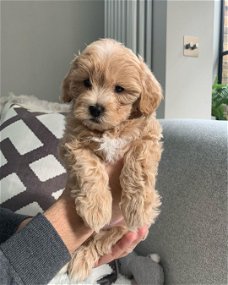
140	235
116	221
124	246
118	249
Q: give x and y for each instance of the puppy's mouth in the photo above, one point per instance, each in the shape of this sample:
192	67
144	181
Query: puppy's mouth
97	124
95	120
93	124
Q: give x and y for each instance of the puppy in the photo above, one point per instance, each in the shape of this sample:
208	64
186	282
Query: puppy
113	97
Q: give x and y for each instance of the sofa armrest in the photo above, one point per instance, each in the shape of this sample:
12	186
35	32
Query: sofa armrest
190	234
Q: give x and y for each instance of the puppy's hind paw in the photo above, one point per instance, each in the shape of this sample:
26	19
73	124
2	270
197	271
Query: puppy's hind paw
81	264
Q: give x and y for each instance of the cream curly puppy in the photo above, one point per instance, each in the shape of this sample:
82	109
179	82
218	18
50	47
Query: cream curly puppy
114	96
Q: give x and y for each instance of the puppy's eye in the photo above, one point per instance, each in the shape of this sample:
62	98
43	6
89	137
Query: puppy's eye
87	83
119	89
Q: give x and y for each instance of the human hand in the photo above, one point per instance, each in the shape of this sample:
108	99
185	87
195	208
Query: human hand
114	171
69	225
124	246
131	239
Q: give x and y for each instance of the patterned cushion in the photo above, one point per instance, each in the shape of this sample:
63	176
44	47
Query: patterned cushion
31	175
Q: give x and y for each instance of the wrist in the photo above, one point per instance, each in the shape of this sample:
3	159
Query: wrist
67	223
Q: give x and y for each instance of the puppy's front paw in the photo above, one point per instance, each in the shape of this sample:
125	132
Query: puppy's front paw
133	214
140	211
95	209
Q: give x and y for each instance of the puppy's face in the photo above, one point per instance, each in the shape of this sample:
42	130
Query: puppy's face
108	84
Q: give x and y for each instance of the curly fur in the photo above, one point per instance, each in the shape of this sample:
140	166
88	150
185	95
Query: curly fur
126	129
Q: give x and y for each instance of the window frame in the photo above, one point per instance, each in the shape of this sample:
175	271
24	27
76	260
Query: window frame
222	53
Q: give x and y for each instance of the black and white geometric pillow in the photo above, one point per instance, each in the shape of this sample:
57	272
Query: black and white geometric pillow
31	174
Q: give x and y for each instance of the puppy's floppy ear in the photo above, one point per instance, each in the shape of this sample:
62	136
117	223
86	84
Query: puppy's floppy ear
66	92
151	95
66	85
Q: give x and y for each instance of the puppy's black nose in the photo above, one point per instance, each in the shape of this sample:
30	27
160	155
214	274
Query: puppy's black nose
96	111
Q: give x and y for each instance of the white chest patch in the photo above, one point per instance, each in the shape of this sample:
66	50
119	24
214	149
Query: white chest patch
112	148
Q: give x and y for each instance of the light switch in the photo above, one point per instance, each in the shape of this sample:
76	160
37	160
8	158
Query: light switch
191	46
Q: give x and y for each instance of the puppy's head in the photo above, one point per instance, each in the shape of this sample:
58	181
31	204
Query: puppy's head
108	84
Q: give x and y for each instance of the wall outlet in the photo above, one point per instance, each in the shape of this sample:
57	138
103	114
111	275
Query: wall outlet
191	46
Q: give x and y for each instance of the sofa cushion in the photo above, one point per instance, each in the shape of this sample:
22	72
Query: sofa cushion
190	234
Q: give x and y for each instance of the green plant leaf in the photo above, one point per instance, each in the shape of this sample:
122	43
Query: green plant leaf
219	99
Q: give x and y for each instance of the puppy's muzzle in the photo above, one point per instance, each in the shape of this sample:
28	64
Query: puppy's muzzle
96	111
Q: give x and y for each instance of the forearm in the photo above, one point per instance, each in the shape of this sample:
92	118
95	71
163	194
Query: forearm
34	254
40	249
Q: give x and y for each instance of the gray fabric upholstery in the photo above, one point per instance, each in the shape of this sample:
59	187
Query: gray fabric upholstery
142	269
190	234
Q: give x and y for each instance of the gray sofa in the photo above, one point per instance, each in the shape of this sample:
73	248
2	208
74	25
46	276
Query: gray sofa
190	234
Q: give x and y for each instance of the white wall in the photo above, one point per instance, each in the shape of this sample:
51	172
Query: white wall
38	40
188	80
